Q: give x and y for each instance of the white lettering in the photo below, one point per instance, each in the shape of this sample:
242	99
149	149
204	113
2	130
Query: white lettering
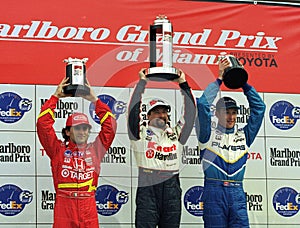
135	34
124	35
242	40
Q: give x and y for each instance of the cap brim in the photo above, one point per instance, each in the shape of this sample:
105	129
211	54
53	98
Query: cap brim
160	105
233	107
81	124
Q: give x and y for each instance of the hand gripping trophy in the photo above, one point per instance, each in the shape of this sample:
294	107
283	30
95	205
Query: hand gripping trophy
234	76
161	30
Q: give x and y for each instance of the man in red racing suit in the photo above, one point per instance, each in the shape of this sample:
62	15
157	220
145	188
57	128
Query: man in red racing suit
75	163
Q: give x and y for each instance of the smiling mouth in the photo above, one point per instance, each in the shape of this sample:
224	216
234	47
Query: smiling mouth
164	120
80	137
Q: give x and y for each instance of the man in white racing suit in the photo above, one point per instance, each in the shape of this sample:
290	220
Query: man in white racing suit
157	148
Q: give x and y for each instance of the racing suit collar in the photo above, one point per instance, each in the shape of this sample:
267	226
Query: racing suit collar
156	130
167	126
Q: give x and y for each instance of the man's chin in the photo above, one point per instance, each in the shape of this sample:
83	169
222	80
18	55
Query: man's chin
161	124
80	142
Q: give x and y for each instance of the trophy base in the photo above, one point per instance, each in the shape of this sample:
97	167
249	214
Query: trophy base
235	78
162	73
77	90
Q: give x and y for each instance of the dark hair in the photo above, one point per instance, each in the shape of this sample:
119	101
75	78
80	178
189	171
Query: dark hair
226	103
64	135
166	107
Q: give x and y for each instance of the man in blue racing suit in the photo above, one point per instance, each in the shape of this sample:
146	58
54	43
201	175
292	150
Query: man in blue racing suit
224	153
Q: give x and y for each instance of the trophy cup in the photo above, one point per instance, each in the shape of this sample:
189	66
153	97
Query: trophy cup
234	76
75	71
163	28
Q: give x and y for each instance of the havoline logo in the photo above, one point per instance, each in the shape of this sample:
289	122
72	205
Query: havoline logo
13	107
13	199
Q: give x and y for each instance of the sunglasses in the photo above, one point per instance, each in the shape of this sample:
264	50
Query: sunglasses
81	127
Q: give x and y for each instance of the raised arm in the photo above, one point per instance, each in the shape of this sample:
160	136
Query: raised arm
189	109
257	111
46	119
134	109
107	122
203	122
108	127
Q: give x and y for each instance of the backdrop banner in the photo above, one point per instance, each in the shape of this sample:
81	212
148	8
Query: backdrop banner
114	36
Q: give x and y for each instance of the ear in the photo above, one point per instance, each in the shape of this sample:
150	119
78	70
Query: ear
217	114
68	133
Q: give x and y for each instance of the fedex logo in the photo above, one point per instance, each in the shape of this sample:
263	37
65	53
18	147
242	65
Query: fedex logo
287	207
108	205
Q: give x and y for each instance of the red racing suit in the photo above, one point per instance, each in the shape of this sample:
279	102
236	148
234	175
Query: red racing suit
75	170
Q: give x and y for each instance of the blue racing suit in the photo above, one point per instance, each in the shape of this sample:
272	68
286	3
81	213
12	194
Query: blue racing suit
224	155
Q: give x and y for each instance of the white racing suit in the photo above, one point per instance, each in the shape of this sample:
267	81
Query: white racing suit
158	154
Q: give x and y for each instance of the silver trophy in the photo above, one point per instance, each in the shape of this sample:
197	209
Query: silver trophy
161	30
234	76
75	71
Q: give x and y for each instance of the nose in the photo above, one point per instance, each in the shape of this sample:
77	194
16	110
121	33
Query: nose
163	114
81	130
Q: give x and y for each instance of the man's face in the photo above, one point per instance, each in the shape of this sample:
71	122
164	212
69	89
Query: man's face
79	134
158	117
227	117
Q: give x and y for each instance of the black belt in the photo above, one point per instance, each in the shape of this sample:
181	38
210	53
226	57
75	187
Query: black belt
158	172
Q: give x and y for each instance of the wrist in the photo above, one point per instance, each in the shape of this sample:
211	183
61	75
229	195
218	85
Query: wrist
94	99
219	81
181	81
221	73
143	81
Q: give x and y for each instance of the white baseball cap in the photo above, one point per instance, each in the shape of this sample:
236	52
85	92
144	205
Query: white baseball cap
157	102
